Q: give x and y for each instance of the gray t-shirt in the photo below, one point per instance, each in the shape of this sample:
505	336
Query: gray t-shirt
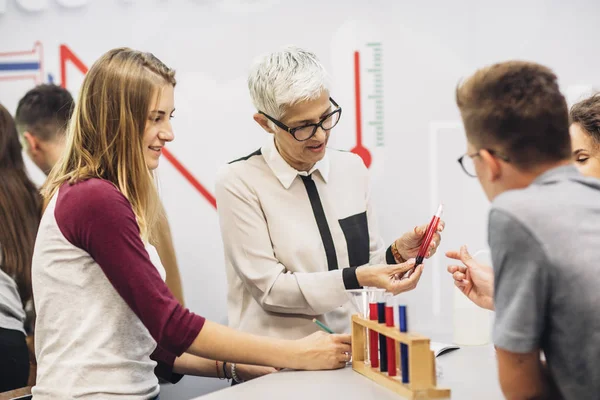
545	244
12	314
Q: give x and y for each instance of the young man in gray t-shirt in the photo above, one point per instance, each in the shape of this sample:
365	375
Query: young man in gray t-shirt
544	234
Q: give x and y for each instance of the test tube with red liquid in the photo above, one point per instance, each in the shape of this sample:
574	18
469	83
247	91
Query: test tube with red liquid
431	230
374	348
391	344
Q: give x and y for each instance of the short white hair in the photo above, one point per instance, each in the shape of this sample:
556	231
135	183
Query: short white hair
284	78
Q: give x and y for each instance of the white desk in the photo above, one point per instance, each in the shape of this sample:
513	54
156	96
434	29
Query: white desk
470	372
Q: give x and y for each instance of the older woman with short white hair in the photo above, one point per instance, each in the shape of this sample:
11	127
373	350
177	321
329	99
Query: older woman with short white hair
296	217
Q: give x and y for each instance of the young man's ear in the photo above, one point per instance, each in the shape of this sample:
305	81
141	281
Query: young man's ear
263	122
492	165
33	144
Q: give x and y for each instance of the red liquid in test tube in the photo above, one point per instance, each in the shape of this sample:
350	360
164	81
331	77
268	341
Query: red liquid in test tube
374	349
391	345
431	230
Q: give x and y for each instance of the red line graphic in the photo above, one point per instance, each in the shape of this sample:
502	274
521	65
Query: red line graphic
67	55
21	53
359	149
17	77
190	178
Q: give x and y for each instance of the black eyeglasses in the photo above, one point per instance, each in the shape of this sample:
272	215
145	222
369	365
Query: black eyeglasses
466	161
305	132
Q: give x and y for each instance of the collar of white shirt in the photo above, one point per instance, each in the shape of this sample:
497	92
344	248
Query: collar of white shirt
285	172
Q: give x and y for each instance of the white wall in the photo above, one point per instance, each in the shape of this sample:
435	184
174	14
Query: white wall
426	48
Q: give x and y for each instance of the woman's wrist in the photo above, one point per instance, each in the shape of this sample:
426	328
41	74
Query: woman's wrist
234	375
227	370
294	355
363	276
396	253
218	370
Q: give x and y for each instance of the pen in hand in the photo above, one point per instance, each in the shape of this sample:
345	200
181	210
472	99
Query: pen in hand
322	326
328	330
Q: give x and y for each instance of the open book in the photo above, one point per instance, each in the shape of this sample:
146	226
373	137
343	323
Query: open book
440	348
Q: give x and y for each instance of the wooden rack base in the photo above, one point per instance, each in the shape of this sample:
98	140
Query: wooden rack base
421	368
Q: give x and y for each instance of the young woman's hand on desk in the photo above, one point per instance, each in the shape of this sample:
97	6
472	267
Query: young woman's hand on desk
387	276
323	351
476	281
313	352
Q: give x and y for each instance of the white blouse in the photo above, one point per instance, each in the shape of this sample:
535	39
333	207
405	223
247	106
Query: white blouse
290	238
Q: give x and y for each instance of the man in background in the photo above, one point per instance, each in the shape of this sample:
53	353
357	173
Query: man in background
41	118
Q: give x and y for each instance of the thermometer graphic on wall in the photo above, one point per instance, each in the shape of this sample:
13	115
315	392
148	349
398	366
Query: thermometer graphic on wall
359	149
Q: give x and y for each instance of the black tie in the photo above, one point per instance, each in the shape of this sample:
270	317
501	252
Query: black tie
315	202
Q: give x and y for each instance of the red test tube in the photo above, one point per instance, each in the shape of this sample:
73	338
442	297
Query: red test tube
391	345
429	233
374	349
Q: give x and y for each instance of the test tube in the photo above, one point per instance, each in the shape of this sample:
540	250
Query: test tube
374	348
391	344
383	367
403	347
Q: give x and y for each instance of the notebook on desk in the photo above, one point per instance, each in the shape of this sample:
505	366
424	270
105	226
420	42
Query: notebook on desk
440	348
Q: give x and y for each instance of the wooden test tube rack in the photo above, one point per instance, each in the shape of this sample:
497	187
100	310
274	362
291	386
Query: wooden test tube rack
421	361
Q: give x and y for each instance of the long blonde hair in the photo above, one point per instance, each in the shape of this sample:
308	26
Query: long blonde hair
105	135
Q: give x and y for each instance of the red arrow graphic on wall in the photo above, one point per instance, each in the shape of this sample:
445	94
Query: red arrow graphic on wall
67	55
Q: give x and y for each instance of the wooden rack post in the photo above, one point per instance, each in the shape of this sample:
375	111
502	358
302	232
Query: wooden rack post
421	368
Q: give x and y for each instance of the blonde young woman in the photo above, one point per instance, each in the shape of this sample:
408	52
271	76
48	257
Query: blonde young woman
106	319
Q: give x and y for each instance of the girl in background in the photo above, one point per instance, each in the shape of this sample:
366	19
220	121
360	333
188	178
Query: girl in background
585	135
20	209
